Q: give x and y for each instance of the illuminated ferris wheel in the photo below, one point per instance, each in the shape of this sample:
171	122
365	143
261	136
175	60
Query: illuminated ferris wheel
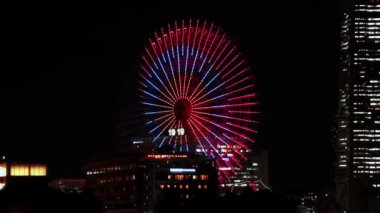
197	92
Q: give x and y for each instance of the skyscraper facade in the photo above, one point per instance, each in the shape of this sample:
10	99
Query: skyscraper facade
358	117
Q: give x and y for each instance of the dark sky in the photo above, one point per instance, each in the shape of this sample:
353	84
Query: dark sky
66	70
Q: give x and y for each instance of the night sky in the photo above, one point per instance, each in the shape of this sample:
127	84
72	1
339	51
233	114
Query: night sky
68	69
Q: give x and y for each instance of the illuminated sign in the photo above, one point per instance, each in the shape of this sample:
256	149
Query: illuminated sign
224	168
157	156
138	142
182	170
174	132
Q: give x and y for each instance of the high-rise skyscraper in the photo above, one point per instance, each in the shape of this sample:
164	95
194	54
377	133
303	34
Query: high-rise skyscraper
358	118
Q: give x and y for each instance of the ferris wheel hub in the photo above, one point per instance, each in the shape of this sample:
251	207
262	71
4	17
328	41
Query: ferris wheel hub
182	109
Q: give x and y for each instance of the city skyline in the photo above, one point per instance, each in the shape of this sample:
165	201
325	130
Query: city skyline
65	96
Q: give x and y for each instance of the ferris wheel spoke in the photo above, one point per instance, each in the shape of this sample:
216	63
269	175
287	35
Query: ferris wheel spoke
207	38
162	141
162	123
225	116
201	36
226	106
158	41
239	82
242	62
221	40
151	58
240	143
172	71
222	127
162	83
242	112
223	95
162	66
156	105
213	40
211	132
205	86
248	96
187	55
233	49
238	75
204	137
222	178
222	51
158	90
159	118
157	112
196	136
157	98
163	129
178	57
203	78
230	62
241	127
169	58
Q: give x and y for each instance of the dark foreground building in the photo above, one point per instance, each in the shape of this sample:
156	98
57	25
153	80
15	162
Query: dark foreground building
358	118
151	182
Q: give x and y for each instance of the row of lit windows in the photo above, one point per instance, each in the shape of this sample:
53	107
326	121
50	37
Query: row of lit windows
368	167
187	177
367	149
366	172
363	113
367	23
367	158
110	169
168	186
367	135
28	170
367	88
366	140
366	130
361	27
364	94
364	41
370	32
116	179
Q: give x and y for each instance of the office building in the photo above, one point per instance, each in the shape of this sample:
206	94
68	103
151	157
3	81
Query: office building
358	117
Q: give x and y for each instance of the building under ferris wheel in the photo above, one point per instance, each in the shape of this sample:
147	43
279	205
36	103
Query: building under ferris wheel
197	95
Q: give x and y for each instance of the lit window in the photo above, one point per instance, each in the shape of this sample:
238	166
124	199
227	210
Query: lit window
187	186
20	170
37	170
199	186
204	177
162	186
179	177
3	170
205	186
180	186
